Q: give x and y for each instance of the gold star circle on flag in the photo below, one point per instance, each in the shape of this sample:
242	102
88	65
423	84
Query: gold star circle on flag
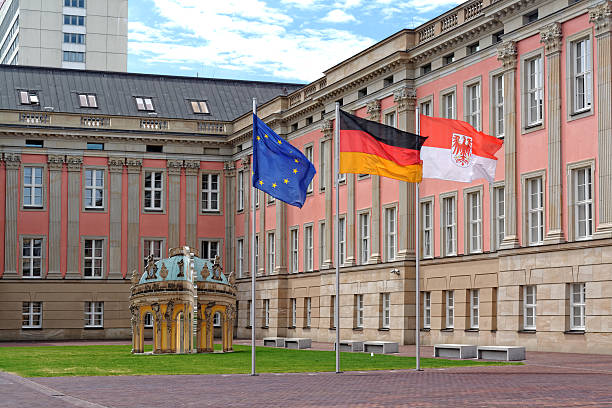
273	185
266	136
261	182
285	181
258	138
294	171
279	142
296	160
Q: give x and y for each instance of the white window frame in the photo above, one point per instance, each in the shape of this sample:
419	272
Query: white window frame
217	319
240	193
474	308
473	216
498	121
534	90
87	100
390	233
322	165
213	248
448	216
266	312
529	307
154	190
535	214
96	244
582	210
210	196
427	310
256	271
449	305
386	310
309	153
148	320
342	239
472	103
92	177
426	226
359	311
270	252
390	118
94	314
149	247
581	73
322	243
364	237
293	312
32	186
448	103
577	306
30	259
240	257
498	211
144	104
308	247
31	315
308	307
294	239
332	312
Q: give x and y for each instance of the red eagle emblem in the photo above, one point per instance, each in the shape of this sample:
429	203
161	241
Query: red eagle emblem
461	150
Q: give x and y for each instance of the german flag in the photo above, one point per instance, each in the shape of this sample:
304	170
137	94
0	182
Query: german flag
368	147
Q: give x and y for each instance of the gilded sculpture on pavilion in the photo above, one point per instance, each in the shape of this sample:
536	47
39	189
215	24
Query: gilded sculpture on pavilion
173	291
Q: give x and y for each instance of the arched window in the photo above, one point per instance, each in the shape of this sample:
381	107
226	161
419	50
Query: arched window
217	319
148	321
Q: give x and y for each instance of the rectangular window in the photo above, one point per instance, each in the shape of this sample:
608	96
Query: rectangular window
309	155
32	187
359	311
388	81
449	226
427	310
448	105
322	244
294	239
577	306
249	314
217	319
535	210
74	3
390	233
364	238
308	307
152	247
425	69
144	104
499	215
210	250
473	105
256	253
322	165
583	203
74	38
475	222
148	321
88	101
31	257
240	257
341	177
426	108
199	107
270	252
386	310
153	190
94	314
427	225
447	59
293	312
498	106
93	259
31	315
342	239
390	119
581	75
95	146
308	248
94	189
29	98
362	93
34	143
240	190
332	312
473	48
529	307
210	192
266	312
474	308
73	56
450	309
74	20
534	94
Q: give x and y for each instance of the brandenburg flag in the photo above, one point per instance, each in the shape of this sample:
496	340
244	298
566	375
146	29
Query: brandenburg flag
455	151
368	147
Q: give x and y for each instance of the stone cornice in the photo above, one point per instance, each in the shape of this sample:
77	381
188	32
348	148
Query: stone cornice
373	110
507	54
12	161
56	162
115	164
550	36
601	17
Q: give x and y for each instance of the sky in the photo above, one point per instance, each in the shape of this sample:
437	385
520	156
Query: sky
263	40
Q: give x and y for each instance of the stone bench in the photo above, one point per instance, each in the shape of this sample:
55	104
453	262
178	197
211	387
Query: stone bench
380	347
350	345
274	341
460	351
298	343
501	353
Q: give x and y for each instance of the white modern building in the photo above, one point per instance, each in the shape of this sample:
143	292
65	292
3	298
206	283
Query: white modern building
77	34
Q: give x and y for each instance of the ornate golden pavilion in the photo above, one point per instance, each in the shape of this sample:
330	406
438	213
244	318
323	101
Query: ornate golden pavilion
175	289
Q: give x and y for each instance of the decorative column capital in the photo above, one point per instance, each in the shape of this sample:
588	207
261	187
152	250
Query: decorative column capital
373	110
507	54
192	167
229	168
55	162
74	163
115	164
12	161
405	98
133	165
174	167
246	163
550	36
601	17
327	128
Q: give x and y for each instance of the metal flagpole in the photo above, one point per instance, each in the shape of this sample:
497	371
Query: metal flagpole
337	238
417	251
253	271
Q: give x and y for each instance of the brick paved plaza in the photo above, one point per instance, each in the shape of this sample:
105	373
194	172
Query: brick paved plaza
547	379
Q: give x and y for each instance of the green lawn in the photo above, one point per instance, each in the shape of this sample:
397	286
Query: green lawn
53	361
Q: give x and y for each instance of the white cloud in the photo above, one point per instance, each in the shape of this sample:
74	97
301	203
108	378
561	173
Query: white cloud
338	16
426	6
303	4
243	35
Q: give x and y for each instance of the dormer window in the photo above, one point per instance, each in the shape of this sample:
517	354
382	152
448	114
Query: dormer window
144	104
199	107
28	98
88	101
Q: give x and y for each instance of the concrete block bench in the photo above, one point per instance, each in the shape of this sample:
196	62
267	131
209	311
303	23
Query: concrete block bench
501	353
460	351
298	343
380	347
274	341
350	345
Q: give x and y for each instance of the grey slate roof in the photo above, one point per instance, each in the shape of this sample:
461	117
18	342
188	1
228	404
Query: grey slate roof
59	88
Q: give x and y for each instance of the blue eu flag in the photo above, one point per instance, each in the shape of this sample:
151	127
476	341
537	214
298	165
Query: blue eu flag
279	169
